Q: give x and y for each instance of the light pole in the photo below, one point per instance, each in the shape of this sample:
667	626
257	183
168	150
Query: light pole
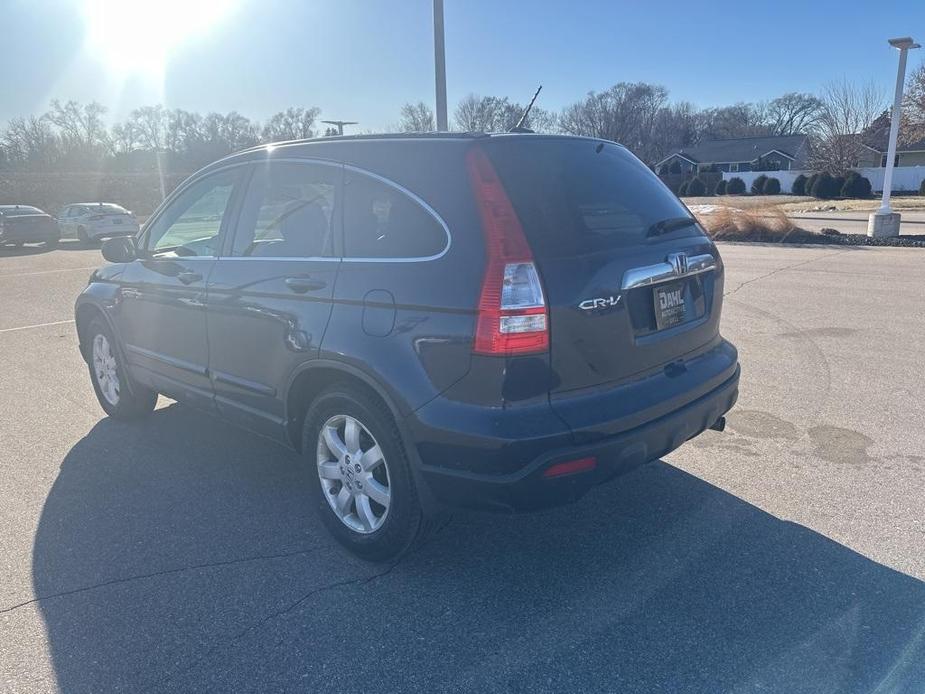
885	222
440	66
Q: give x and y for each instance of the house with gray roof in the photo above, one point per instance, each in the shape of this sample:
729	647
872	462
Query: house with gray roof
769	153
909	154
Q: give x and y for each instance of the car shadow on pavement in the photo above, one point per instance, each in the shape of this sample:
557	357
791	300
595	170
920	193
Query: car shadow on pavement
41	248
28	249
178	553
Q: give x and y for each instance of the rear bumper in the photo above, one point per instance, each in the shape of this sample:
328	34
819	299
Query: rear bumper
526	488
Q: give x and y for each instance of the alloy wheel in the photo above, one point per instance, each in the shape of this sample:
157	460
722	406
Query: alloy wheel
104	367
354	474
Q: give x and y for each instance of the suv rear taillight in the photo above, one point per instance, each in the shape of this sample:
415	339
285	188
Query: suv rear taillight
512	309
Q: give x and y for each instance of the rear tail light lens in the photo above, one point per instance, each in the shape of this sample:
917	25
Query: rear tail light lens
512	308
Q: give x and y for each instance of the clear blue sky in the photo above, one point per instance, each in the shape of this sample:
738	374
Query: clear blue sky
361	59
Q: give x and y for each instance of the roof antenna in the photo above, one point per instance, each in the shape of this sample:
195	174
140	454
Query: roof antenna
519	128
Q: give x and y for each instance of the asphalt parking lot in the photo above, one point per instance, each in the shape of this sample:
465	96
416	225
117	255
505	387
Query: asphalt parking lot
784	555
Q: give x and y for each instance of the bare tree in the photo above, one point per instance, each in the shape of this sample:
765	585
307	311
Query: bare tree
624	113
912	125
80	125
847	111
739	120
291	124
123	138
184	131
416	118
793	113
30	142
675	126
486	114
149	125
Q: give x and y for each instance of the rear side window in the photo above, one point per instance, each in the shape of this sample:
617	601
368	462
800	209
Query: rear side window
580	196
381	221
288	212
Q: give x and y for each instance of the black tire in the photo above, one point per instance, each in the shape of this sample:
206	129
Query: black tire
405	523
51	244
133	400
82	236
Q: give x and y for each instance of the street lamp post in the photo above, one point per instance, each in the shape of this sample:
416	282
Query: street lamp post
440	66
885	222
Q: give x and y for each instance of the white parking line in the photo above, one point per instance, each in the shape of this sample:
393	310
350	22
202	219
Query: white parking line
37	325
47	272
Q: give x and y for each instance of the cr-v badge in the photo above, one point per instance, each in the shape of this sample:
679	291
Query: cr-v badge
600	302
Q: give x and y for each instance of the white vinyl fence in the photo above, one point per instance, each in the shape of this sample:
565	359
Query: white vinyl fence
905	178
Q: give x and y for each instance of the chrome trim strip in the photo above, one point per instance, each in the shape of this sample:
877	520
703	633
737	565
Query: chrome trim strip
665	272
324	162
291	259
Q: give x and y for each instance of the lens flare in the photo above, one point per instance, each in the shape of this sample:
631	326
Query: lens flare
139	36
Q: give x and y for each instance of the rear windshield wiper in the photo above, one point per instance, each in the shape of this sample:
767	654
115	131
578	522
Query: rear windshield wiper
671	224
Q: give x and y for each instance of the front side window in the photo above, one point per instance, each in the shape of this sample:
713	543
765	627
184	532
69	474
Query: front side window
191	224
289	212
380	221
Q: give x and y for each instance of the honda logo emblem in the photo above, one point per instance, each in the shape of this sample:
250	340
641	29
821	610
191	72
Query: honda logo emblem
678	262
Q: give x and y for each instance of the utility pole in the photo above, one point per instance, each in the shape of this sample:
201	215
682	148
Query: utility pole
885	222
340	124
440	66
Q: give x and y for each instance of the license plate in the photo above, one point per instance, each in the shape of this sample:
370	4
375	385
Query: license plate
670	305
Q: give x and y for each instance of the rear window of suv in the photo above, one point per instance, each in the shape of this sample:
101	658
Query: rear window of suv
577	196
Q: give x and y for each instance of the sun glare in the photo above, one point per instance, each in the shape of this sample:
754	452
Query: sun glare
132	36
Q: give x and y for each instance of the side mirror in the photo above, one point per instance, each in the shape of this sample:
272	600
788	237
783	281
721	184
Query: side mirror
121	249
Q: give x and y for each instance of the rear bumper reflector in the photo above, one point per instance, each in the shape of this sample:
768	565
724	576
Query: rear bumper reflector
570	467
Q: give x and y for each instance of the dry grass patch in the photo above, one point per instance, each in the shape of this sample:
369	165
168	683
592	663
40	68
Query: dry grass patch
770	224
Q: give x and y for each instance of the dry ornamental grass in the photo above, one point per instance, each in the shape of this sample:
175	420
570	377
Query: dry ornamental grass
768	224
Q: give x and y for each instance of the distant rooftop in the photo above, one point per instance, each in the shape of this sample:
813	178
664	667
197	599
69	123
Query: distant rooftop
741	149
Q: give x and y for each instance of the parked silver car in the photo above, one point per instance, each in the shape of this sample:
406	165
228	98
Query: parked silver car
93	221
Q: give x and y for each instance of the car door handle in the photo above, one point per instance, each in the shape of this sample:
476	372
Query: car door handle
189	276
300	285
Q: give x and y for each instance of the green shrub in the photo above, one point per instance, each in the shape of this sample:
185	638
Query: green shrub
799	185
771	186
720	188
696	187
827	186
810	184
855	186
735	186
758	185
682	189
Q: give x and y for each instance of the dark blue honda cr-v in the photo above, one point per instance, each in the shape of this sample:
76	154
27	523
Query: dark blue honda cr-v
492	321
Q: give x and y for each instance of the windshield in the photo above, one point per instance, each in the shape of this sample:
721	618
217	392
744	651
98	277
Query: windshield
19	210
106	208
